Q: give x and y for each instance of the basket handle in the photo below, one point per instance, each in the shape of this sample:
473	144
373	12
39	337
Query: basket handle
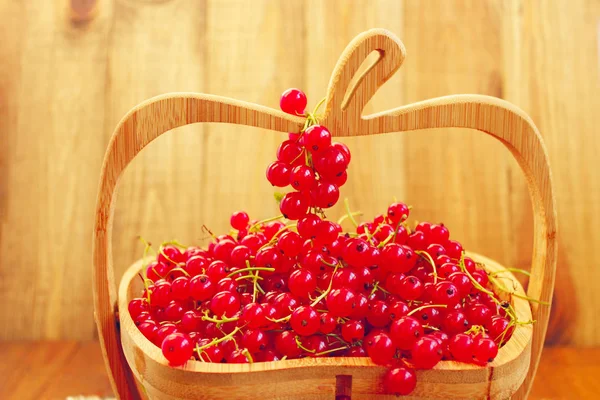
158	115
137	129
496	117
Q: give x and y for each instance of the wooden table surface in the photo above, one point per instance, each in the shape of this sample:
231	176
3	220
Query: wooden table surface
57	370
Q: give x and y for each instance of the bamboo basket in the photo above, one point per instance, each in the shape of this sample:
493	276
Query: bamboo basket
137	369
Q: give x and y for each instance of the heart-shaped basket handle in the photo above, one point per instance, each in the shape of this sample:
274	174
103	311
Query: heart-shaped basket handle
344	106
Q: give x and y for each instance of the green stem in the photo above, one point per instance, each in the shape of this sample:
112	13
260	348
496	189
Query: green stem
428	257
264	221
500	286
349	213
223	320
331	351
346	216
217	341
426	306
302	347
250	276
326	292
250	269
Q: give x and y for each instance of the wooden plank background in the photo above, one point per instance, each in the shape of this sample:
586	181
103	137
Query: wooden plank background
70	69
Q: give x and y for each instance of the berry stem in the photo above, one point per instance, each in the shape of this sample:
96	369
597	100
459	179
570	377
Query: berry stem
218	321
428	257
302	347
331	351
349	213
248	356
250	269
219	340
346	216
249	276
264	221
326	292
179	269
175	243
426	306
501	286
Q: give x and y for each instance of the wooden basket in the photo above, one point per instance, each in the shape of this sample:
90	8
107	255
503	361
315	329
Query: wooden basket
137	368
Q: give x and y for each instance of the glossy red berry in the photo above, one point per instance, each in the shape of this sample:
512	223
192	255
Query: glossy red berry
177	348
325	195
426	352
380	348
484	350
225	304
294	205
455	322
239	220
405	332
305	321
302	178
330	163
446	293
302	283
290	153
278	174
340	302
307	226
461	347
397	212
400	381
353	331
317	138
293	101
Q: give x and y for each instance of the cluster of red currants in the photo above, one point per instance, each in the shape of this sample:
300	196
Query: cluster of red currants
309	161
406	298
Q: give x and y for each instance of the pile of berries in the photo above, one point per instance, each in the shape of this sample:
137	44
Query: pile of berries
276	289
310	162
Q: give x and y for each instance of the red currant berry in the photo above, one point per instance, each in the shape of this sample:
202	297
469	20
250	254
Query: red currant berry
278	174
290	153
340	302
397	212
317	138
302	178
330	163
293	101
328	323
453	249
455	322
446	293
439	234
426	352
353	331
286	345
302	283
239	220
177	348
400	381
405	331
325	195
484	350
380	348
225	304
294	205
305	321
461	347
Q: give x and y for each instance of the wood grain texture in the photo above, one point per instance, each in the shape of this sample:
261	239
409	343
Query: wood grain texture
313	379
564	373
542	57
